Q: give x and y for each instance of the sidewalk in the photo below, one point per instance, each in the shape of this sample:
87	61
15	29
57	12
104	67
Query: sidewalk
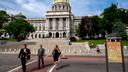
33	67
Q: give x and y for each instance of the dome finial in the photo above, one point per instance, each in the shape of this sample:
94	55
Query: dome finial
57	1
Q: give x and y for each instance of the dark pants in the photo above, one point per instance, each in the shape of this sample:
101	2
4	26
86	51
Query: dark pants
23	62
40	59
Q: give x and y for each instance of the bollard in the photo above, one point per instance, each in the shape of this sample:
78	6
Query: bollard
14	50
10	50
5	50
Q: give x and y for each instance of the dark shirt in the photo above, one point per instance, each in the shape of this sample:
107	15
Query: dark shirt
56	53
24	52
41	52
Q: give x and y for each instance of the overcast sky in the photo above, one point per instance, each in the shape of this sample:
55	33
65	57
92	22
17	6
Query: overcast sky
38	8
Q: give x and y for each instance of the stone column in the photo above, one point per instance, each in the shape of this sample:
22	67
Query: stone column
57	7
54	24
38	27
67	23
47	24
61	35
34	35
37	35
67	34
61	24
41	27
54	34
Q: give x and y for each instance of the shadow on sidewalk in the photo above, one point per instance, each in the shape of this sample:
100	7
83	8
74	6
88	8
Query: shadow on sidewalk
44	69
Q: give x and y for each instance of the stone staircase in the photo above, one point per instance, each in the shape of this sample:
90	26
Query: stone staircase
49	44
80	49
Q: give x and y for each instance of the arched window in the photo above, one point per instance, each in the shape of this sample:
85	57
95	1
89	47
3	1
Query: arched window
57	35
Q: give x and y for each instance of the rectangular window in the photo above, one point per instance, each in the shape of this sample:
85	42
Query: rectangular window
43	27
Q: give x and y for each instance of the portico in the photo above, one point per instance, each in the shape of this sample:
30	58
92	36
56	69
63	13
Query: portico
59	22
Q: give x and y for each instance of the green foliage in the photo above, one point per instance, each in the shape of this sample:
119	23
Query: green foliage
109	16
120	29
90	26
86	27
125	43
112	14
78	30
92	43
19	28
8	39
108	23
73	39
96	42
3	18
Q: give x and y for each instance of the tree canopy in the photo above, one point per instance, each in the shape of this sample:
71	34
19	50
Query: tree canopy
112	14
90	26
119	28
3	18
112	20
19	28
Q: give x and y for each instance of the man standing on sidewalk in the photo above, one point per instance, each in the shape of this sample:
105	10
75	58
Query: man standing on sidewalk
41	54
24	55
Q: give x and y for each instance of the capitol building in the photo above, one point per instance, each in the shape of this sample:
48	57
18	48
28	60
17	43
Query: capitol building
59	22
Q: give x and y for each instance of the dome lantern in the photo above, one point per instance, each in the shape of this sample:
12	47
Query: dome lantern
62	1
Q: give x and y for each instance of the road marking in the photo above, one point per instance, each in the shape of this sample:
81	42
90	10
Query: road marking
13	70
52	68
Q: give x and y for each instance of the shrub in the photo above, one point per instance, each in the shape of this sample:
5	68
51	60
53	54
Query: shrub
73	39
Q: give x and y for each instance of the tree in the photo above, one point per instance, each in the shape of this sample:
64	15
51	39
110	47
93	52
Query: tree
19	28
90	26
120	29
111	14
85	27
97	25
3	18
78	30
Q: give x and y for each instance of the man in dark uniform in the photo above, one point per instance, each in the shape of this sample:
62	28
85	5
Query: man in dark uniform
41	54
24	55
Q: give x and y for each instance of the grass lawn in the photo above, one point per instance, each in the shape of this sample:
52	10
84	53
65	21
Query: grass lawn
125	43
95	42
14	40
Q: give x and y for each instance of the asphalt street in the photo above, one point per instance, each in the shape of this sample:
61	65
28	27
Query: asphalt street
8	62
80	66
88	67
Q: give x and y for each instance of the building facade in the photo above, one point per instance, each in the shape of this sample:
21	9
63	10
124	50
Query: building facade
59	22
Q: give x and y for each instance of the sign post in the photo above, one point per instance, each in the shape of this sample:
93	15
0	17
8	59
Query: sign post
114	52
